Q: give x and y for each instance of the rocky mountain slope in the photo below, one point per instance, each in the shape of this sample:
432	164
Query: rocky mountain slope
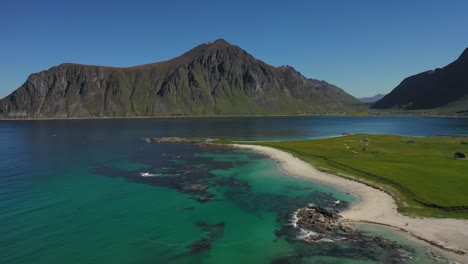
215	78
430	89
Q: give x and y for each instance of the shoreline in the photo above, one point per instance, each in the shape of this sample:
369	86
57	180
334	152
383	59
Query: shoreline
374	206
221	116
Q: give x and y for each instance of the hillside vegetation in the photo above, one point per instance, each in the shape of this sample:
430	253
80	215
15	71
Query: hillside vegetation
214	78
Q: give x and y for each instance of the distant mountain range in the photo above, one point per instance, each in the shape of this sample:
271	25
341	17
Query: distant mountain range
371	99
215	78
439	88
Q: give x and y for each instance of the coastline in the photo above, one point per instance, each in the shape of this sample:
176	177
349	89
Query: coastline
444	235
222	116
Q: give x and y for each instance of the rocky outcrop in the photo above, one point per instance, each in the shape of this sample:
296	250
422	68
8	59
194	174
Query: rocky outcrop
212	79
319	224
322	222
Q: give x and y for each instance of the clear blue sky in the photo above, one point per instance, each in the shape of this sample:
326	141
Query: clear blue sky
365	47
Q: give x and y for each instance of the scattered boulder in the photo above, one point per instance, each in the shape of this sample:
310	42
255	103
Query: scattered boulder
464	143
459	155
410	142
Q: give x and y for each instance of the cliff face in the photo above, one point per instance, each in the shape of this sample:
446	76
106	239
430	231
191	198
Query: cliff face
430	89
212	79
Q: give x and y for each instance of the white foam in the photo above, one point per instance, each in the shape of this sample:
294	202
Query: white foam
147	174
294	219
303	234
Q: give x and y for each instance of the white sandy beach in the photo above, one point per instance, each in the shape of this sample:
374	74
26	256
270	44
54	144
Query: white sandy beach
379	207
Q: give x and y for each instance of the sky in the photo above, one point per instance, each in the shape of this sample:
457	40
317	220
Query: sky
364	47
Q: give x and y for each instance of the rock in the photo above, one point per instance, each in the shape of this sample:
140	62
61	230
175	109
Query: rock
165	139
195	187
203	244
318	219
204	199
328	226
459	155
206	143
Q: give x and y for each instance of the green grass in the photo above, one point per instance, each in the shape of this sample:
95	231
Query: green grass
422	175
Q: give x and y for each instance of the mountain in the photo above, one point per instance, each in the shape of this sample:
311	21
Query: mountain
215	78
372	99
430	89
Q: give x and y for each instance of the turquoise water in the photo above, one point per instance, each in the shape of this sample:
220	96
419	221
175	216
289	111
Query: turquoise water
72	192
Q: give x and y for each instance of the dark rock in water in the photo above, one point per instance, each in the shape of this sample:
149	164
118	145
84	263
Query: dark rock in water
203	244
213	233
195	187
324	225
177	140
459	155
206	143
204	199
384	243
258	156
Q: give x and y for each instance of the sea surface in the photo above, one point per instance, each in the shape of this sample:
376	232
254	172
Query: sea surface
74	191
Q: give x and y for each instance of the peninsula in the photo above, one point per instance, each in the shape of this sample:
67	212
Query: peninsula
381	203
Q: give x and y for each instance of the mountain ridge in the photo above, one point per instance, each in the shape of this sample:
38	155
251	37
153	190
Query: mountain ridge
215	78
430	89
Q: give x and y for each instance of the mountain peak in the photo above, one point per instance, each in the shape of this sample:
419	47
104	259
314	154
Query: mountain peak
214	78
211	46
217	42
464	55
287	67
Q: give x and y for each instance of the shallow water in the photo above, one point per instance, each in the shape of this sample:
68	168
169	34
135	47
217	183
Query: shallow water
72	192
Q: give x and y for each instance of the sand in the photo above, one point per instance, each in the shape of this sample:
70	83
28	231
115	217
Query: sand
378	207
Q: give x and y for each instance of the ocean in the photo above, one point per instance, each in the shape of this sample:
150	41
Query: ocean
92	191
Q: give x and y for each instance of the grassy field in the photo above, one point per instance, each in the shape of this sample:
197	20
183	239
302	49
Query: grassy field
421	173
